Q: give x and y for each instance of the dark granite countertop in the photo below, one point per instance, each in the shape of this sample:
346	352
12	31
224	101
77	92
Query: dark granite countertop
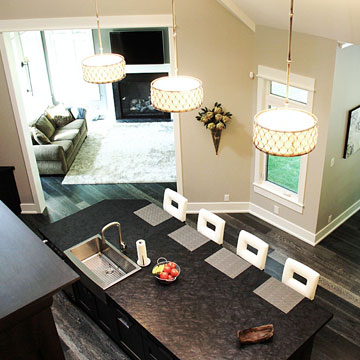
196	317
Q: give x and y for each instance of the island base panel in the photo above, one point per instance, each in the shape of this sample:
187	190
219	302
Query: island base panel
34	338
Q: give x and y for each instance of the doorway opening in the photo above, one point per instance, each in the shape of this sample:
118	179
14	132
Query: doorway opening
25	116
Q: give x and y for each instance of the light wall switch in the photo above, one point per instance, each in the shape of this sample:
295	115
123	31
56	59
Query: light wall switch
276	210
226	197
332	162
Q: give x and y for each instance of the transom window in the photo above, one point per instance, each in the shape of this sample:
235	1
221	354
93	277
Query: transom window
296	94
282	178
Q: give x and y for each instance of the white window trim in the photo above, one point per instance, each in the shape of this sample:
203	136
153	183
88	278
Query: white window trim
261	186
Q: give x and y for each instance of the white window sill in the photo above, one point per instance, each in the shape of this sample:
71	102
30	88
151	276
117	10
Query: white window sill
280	195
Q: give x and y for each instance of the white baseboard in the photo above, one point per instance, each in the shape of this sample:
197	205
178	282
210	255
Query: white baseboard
31	208
283	224
218	207
325	231
273	219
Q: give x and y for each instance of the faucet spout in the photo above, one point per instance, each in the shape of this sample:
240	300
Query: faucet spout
115	223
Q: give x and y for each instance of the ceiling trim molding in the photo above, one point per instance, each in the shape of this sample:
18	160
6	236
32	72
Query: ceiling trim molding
128	21
235	10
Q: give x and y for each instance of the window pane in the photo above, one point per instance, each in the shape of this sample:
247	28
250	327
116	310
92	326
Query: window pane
284	171
296	94
66	49
40	97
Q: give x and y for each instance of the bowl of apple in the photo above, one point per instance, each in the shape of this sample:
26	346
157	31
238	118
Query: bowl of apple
166	271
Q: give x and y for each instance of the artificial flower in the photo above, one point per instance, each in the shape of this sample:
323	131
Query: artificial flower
215	118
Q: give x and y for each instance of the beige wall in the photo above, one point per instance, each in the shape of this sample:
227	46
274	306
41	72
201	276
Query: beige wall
312	57
10	149
213	46
341	183
20	9
206	51
218	49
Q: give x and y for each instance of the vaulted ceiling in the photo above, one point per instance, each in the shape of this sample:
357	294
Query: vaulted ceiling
333	19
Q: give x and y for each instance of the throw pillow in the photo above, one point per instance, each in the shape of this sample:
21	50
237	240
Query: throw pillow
59	115
78	112
45	126
39	136
34	142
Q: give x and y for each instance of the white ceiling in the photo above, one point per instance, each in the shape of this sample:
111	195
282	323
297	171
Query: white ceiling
333	19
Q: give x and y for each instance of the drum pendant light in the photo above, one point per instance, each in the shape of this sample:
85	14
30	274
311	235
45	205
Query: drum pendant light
103	68
285	131
176	93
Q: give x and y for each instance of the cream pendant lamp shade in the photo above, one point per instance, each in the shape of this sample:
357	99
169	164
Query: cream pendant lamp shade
285	131
103	68
176	93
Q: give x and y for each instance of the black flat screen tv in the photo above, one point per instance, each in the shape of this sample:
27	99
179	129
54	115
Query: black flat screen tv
139	47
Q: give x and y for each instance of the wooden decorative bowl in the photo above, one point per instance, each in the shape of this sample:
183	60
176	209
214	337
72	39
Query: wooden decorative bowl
256	334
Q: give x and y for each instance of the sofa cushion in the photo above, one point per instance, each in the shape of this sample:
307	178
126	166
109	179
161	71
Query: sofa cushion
45	126
76	124
68	134
59	115
67	145
39	137
49	153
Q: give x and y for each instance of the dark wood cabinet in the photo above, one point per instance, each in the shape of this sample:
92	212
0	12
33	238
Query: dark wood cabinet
8	191
129	333
111	318
106	318
118	324
154	350
85	299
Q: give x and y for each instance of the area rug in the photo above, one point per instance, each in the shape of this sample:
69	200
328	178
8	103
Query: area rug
126	153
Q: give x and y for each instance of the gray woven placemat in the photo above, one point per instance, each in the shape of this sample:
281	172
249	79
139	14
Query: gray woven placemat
228	262
152	214
188	237
279	294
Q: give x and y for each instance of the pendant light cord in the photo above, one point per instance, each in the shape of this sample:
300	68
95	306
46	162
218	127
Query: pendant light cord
98	27
174	37
289	53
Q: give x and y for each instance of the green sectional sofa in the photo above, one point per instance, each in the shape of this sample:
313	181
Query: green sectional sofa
57	136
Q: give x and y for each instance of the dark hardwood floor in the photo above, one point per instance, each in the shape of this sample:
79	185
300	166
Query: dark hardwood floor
336	258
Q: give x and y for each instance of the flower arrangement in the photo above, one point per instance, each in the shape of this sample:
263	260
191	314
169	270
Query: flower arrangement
215	118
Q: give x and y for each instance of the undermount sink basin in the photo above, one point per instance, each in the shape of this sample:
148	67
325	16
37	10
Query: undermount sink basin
105	265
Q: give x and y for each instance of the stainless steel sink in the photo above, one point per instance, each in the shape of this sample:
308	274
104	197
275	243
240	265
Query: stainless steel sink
101	261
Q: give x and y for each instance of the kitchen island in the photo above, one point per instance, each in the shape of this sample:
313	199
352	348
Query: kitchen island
30	274
197	316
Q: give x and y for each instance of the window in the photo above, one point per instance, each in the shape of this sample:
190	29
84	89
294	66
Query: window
282	179
65	50
299	95
283	171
